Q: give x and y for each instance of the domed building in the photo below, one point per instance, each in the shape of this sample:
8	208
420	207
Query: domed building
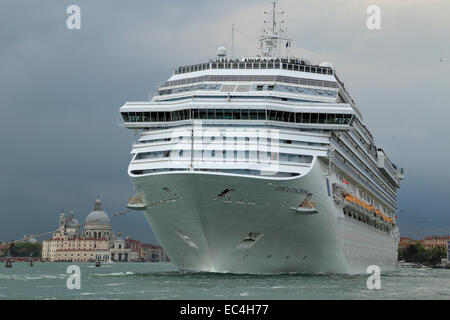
70	244
97	224
72	226
97	242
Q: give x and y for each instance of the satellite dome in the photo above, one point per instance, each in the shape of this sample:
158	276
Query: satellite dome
327	65
221	51
97	216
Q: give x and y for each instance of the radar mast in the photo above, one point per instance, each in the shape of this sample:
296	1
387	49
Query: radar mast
273	33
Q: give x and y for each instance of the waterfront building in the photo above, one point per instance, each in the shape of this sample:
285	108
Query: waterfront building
405	242
119	251
428	242
4	247
152	253
448	251
135	249
435	241
96	242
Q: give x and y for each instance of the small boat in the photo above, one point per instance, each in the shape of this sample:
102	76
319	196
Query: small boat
8	264
98	263
424	267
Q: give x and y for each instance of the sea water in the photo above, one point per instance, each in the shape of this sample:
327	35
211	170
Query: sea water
164	281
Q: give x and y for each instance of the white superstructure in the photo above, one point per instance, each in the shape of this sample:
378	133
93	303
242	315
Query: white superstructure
263	165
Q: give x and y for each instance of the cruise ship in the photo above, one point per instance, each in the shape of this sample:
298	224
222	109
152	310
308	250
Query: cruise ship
262	164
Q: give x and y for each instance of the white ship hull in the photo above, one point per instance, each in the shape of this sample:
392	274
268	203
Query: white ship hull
201	231
212	133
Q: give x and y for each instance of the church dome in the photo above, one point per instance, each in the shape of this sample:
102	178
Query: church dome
97	216
72	222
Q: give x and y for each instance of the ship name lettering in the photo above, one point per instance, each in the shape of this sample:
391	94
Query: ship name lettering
291	190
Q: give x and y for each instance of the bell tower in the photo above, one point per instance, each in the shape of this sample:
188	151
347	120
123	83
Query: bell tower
62	222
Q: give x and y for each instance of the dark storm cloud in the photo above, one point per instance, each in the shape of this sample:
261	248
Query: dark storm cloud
60	92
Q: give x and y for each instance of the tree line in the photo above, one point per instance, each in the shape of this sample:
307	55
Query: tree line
419	254
25	249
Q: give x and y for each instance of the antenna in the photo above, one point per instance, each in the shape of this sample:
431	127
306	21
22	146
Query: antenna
232	41
272	34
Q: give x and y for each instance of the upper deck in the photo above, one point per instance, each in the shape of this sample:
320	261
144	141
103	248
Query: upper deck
257	63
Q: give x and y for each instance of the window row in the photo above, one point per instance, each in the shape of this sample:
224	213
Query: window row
248	78
232	171
226	154
206	87
246	88
237	114
291	89
373	186
254	65
365	168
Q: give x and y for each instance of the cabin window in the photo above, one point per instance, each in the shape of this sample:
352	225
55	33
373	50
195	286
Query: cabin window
271	115
261	114
306	118
286	116
228	114
322	117
219	114
347	118
279	116
330	118
203	114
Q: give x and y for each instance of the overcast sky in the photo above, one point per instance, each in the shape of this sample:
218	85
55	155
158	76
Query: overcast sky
61	90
